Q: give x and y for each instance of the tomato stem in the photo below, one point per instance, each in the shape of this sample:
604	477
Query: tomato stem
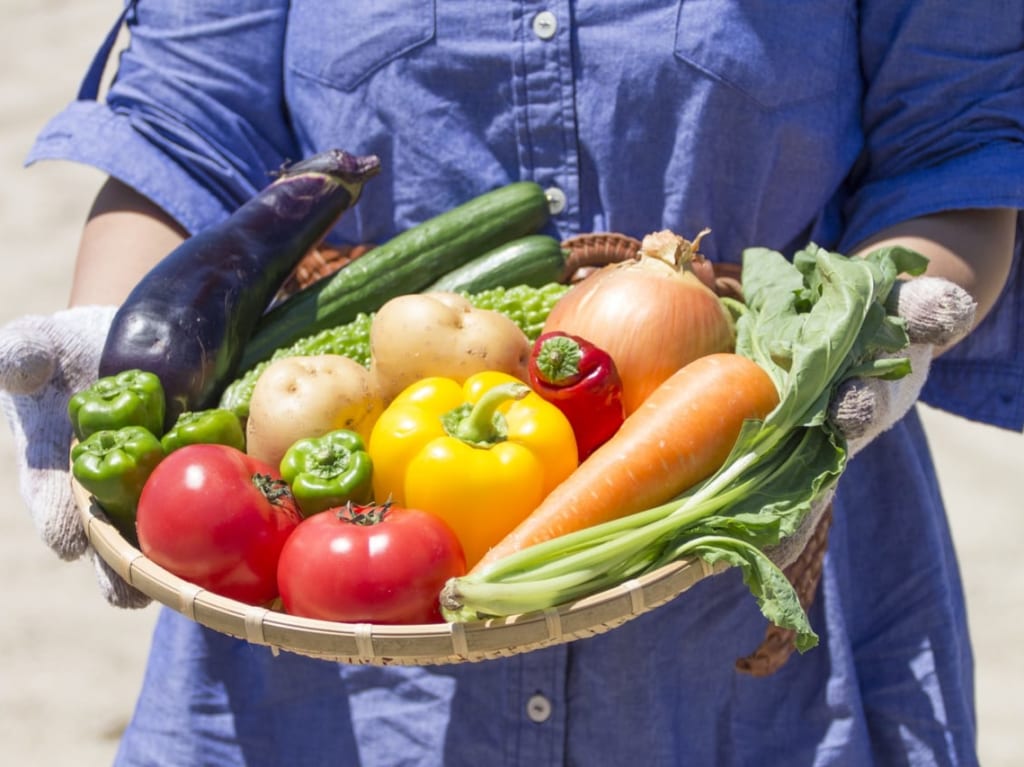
274	490
363	514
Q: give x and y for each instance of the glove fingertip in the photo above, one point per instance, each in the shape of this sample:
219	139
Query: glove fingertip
62	532
27	361
937	311
115	589
853	408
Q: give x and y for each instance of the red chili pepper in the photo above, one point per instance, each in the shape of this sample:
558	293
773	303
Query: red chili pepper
580	380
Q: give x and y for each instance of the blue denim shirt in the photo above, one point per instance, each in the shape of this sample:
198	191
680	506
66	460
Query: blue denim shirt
773	124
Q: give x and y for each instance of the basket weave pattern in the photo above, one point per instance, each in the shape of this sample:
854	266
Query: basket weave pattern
319	263
431	644
457	642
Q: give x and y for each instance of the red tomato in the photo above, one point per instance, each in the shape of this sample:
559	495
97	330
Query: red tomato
372	564
217	517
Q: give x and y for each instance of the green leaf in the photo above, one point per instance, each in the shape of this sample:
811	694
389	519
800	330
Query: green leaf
775	595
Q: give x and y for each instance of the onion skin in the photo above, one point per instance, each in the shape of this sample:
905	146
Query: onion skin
652	316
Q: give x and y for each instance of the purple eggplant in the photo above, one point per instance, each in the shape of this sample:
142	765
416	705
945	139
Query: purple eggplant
188	319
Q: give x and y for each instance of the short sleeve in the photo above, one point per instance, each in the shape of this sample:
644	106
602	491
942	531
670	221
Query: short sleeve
194	118
943	112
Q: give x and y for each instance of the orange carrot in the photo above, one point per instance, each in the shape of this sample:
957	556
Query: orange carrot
681	435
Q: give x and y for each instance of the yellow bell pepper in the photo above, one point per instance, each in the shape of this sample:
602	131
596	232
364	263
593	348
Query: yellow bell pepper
481	455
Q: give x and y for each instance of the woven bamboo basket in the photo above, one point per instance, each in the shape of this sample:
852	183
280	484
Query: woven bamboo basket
433	644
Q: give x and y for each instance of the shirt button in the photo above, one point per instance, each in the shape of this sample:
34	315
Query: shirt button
556	200
538	708
545	25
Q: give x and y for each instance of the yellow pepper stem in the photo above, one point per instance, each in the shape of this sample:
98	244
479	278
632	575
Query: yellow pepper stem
482	424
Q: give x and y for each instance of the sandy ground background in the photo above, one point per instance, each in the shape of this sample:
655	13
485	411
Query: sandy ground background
71	666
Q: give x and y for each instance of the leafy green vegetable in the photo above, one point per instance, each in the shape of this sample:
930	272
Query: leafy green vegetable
811	323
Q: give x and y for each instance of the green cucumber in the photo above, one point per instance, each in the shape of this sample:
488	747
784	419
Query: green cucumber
534	260
407	263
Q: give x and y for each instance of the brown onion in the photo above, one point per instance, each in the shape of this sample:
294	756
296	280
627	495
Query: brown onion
652	315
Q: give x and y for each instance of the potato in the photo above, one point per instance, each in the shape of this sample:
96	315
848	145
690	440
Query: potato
298	397
442	334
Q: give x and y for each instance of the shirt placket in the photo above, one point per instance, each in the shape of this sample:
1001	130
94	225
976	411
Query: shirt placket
545	109
538	697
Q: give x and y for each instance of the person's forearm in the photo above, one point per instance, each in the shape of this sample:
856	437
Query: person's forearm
973	248
124	236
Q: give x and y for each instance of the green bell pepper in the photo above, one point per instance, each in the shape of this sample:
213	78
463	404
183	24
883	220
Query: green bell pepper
113	465
129	398
216	426
328	471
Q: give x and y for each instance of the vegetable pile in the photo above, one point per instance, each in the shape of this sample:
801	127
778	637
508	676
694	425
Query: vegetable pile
656	303
809	325
444	430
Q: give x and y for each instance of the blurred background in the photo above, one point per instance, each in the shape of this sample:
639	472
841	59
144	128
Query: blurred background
71	666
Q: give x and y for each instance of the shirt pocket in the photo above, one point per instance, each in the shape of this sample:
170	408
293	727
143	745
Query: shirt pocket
777	54
343	44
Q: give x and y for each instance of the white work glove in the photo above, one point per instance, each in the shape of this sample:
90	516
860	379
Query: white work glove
937	313
43	361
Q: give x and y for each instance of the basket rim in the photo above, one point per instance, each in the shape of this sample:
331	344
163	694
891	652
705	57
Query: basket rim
380	644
